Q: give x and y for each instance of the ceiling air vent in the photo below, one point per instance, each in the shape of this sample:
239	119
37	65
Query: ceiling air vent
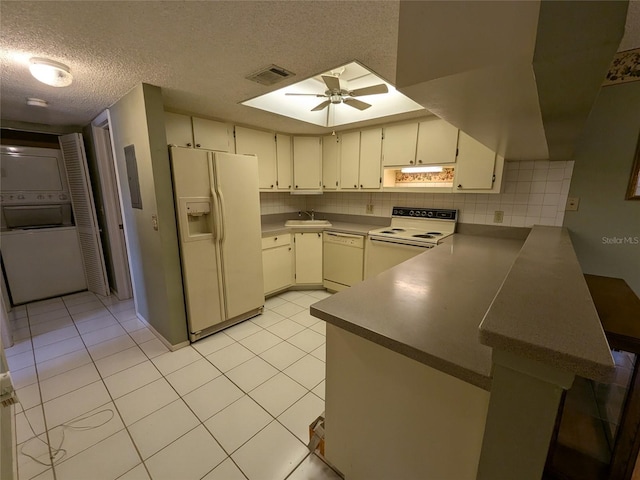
270	75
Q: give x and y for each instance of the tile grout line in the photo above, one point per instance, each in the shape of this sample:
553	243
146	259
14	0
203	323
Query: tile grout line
202	356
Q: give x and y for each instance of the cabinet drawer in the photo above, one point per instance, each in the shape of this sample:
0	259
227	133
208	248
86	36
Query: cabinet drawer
276	240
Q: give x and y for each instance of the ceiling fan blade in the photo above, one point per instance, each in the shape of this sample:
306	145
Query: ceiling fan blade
360	105
307	94
372	90
332	83
321	106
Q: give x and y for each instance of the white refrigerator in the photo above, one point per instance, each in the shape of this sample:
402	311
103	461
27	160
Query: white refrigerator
218	211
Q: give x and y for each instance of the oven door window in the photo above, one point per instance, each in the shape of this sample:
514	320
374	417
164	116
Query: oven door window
383	254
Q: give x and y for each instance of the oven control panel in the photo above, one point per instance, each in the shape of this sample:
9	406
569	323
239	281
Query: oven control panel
430	213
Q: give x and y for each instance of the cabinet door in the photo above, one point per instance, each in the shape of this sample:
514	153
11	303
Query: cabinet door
283	160
178	129
277	266
350	161
307	163
399	144
210	134
330	161
370	153
308	258
475	166
262	144
437	142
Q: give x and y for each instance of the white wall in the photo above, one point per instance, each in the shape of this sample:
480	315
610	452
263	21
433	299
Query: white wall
533	193
138	119
605	230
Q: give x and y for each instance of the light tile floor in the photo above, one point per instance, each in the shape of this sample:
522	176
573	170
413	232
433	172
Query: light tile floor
102	398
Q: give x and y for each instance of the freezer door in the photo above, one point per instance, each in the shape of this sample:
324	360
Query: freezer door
199	252
237	187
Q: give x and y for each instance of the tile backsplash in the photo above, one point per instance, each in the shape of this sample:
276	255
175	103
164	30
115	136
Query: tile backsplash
533	192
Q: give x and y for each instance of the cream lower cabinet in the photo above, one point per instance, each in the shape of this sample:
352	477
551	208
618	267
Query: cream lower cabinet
277	263
308	248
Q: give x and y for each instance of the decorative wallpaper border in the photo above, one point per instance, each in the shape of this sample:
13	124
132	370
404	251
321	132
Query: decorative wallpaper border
625	67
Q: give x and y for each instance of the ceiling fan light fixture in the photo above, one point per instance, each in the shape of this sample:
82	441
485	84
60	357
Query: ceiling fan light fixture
50	72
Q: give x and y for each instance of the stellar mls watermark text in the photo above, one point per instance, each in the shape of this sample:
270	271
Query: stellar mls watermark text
620	240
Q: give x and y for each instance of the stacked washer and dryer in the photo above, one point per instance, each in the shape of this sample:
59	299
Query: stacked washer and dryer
39	243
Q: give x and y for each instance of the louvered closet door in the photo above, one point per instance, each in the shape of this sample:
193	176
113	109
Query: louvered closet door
84	212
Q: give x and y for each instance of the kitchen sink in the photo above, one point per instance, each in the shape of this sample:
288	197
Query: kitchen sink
307	223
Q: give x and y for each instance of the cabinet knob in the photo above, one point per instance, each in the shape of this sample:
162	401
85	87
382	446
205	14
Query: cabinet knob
275	239
319	234
355	186
271	186
419	161
188	144
197	145
296	186
411	162
361	186
289	186
459	186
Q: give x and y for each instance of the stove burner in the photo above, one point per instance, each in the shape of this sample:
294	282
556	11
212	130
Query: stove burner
387	231
398	229
434	233
423	235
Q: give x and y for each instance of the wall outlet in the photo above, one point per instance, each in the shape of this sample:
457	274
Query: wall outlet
498	216
369	209
572	204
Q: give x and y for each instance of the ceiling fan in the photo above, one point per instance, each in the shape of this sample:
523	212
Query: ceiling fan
336	94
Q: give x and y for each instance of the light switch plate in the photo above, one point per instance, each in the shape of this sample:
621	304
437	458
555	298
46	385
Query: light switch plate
498	216
572	204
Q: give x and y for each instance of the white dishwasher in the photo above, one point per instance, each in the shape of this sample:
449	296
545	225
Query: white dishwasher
343	260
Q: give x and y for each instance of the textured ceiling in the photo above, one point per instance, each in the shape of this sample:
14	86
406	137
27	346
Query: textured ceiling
198	52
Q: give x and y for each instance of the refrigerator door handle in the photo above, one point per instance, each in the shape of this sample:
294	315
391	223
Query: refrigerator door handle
221	200
216	206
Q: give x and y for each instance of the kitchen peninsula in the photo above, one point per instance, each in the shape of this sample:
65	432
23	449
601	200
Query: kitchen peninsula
451	365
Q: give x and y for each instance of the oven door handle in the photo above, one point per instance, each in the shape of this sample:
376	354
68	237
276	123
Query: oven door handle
401	244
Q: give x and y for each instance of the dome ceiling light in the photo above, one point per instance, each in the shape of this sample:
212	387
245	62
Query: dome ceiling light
50	72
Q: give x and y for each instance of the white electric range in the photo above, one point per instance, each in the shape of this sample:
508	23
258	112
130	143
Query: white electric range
412	231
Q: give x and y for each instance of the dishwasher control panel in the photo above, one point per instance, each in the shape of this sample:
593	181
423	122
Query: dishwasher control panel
346	239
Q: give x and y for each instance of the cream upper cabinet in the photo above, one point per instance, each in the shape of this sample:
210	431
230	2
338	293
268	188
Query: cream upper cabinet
330	161
186	131
283	161
399	144
178	129
475	168
350	161
370	162
308	253
437	142
263	145
360	160
210	135
307	163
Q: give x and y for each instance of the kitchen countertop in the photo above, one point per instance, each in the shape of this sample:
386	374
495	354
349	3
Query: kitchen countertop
544	310
430	307
275	228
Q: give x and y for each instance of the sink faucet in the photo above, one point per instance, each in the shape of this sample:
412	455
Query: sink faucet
311	215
